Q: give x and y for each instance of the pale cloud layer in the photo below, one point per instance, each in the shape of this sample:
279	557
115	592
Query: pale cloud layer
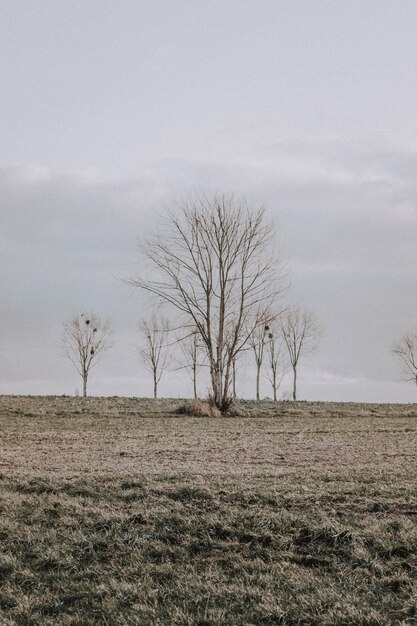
113	110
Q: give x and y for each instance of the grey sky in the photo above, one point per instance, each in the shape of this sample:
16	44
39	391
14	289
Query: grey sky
110	109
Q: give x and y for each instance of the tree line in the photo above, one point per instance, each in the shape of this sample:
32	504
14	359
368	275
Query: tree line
214	271
276	348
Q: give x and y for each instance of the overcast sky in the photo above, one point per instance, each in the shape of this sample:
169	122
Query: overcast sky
110	109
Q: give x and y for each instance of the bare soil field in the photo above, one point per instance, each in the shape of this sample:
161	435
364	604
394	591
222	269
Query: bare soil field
71	437
119	511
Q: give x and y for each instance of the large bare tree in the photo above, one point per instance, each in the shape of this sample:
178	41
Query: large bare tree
406	351
154	348
300	331
214	263
85	340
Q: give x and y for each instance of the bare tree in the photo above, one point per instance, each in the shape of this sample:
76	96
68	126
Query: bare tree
85	340
191	352
406	351
155	349
257	341
276	361
234	374
214	264
300	331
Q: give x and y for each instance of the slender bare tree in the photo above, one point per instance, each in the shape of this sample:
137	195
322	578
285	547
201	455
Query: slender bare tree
85	340
300	331
406	351
214	264
257	341
154	349
234	378
276	360
234	375
191	356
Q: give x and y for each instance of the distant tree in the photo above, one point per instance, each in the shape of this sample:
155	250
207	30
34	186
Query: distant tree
85	340
257	341
214	264
154	348
406	351
234	378
276	360
192	356
234	375
300	331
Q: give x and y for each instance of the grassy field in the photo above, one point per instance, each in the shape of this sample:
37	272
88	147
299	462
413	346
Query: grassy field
118	511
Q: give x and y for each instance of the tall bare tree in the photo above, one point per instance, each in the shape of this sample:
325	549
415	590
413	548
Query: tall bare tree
300	331
215	265
406	351
154	348
85	340
275	360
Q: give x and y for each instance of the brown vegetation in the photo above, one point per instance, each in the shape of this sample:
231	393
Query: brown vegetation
119	511
76	436
199	408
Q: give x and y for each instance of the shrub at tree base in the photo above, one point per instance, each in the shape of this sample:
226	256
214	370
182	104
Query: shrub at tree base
207	408
235	409
199	408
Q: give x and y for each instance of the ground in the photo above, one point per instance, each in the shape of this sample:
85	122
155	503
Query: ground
118	511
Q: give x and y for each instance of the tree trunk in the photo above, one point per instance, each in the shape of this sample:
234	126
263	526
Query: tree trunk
234	379
294	386
84	385
226	398
155	388
274	387
258	373
215	384
214	375
219	377
195	381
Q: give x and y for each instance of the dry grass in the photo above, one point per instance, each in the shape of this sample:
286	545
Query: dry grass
297	514
199	408
107	436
